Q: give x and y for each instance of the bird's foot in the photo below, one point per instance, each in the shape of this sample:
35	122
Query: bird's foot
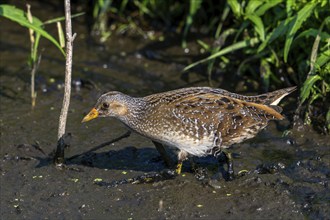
230	176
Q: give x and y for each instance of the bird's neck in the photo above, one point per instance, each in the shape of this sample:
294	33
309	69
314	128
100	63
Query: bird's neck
136	112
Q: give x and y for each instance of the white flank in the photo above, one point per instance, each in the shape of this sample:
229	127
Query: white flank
279	99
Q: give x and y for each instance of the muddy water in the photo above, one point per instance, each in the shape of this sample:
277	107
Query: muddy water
287	176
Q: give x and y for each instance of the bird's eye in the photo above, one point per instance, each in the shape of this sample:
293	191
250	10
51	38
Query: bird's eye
105	105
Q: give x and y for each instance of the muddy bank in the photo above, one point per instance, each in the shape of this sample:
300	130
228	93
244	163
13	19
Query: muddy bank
287	175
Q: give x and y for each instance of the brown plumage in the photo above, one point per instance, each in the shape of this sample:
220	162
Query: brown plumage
199	120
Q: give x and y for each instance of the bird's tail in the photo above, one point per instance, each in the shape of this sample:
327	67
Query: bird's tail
273	98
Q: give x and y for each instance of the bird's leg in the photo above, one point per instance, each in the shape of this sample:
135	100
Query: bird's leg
182	156
229	162
179	167
161	150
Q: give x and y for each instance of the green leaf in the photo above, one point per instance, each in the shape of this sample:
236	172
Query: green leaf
51	21
276	33
265	72
323	3
241	29
61	36
235	7
314	97
194	6
295	25
142	7
312	32
224	16
35	48
307	87
123	6
231	48
204	45
252	6
104	5
265	7
258	25
323	58
289	6
18	16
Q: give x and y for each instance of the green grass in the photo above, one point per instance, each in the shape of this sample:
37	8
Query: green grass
275	43
287	41
36	30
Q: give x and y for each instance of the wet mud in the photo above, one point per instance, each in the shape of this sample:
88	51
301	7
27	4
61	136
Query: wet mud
282	173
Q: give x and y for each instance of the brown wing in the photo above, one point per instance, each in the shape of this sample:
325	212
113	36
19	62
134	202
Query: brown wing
227	119
223	103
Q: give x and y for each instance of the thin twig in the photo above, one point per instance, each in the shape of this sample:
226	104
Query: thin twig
35	67
33	62
61	143
68	70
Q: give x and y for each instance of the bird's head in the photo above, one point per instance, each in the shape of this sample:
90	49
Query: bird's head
111	104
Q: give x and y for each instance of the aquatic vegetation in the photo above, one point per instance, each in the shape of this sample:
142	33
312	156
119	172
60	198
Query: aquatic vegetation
278	30
36	30
274	43
271	43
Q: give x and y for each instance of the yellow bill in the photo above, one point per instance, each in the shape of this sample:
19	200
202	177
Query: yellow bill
91	115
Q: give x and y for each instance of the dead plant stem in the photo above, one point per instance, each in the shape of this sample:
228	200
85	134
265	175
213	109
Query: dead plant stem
35	67
68	70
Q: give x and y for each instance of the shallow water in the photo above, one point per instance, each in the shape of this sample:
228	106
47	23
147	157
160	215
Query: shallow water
288	176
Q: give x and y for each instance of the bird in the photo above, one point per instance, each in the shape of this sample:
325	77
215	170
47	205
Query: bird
199	121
